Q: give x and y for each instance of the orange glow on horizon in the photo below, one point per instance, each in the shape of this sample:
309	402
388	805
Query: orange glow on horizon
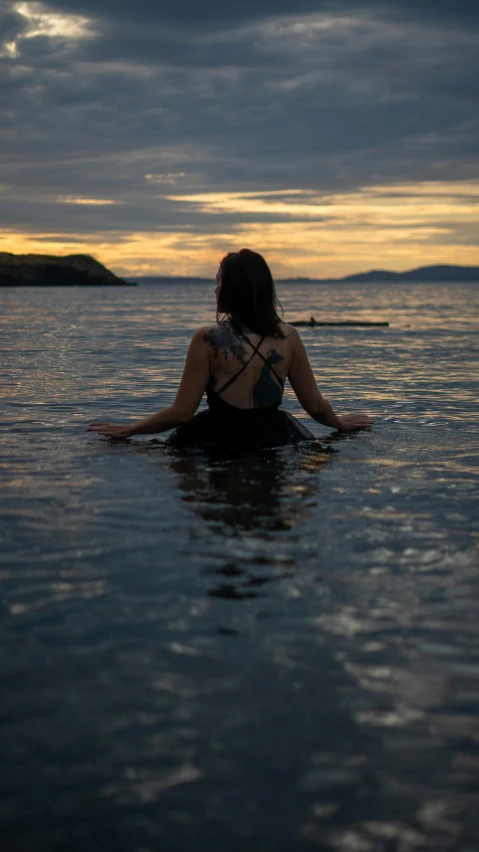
397	227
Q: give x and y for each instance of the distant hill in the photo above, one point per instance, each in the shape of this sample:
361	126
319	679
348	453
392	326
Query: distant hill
434	274
43	270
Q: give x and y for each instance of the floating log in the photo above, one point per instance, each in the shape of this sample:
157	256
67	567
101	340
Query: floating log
312	322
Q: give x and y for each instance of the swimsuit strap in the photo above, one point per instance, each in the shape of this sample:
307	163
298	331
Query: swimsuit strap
243	368
280	380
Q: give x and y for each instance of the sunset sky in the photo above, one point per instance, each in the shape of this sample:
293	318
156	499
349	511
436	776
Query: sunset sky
157	135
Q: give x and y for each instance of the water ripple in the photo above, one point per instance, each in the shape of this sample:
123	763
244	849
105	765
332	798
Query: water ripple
273	654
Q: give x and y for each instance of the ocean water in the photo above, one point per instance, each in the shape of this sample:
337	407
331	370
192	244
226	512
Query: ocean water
259	655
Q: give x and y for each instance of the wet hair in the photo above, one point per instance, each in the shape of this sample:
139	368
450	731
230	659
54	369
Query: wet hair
248	296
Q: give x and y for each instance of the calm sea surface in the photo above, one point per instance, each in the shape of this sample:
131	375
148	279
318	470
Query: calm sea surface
268	655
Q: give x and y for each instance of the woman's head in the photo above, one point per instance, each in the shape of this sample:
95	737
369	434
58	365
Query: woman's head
246	293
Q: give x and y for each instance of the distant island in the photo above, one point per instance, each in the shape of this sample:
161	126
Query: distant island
432	274
43	270
81	270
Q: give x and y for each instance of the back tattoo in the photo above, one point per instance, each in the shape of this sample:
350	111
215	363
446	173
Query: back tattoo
222	338
224	341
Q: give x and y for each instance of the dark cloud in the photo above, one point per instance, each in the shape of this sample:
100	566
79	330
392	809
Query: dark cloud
257	95
215	13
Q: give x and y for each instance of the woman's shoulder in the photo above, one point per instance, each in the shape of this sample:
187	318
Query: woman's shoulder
222	339
217	333
289	331
207	333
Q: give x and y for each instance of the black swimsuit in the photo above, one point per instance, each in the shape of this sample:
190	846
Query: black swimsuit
229	427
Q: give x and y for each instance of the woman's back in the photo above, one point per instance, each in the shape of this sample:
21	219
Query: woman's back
243	372
247	372
246	369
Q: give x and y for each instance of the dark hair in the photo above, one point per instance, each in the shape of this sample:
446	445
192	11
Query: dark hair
247	295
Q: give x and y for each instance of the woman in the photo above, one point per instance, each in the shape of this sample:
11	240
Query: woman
241	362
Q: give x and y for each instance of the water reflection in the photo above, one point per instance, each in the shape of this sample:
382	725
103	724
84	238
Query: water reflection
245	503
262	654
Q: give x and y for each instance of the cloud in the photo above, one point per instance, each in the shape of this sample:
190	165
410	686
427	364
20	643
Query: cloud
41	22
301	232
143	113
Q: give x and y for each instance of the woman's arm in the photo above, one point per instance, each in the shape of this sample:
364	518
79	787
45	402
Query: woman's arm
304	385
188	398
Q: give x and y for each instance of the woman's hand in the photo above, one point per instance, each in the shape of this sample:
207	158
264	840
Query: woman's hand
111	430
354	421
188	398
